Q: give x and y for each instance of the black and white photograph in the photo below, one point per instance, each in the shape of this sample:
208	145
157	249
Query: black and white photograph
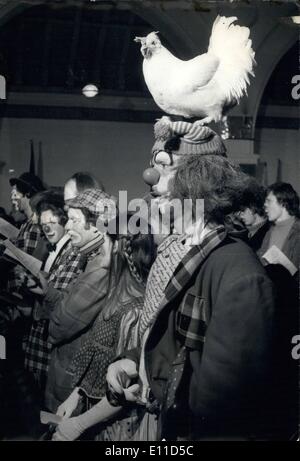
149	223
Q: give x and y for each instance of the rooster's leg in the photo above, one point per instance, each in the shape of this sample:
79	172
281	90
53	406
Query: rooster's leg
204	121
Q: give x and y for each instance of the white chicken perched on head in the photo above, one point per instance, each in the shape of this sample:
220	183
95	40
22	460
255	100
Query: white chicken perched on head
207	85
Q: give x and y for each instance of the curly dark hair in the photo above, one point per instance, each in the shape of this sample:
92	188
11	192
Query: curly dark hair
254	197
50	199
57	211
214	179
286	196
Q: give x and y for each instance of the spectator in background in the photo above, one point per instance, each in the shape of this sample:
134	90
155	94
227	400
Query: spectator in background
80	182
252	214
27	185
16	215
19	385
282	209
29	238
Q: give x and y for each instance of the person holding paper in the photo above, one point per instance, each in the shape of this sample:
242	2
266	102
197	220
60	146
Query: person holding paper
282	209
29	236
62	267
280	252
74	309
27	185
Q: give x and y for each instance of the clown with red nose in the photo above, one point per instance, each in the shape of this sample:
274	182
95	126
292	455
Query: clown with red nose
174	141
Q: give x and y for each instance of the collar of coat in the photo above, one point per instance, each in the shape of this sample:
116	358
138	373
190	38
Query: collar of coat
190	263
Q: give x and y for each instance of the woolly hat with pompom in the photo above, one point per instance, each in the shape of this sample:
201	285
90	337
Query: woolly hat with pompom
185	138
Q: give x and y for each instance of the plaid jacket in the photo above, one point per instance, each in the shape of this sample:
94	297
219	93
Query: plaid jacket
209	349
73	312
65	269
28	237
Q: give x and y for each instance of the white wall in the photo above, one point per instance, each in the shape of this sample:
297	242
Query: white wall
274	144
116	153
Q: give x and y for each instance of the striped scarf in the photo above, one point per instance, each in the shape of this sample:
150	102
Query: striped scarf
169	254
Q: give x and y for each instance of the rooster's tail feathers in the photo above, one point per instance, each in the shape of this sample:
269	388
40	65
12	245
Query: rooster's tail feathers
231	44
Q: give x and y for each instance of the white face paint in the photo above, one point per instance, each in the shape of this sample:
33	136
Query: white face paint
166	166
77	228
15	197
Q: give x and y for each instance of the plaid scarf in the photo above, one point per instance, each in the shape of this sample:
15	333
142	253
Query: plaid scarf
190	320
66	271
74	262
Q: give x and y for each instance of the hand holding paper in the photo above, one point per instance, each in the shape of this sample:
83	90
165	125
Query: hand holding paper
275	256
38	285
8	230
30	263
49	418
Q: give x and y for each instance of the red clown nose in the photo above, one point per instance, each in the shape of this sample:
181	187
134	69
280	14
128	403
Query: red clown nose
151	176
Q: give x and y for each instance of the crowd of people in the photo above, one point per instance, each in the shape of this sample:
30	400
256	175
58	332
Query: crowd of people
141	336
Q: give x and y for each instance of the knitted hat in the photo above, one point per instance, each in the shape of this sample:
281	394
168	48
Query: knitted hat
100	204
184	138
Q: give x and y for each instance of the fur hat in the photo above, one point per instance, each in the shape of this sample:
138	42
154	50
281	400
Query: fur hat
184	138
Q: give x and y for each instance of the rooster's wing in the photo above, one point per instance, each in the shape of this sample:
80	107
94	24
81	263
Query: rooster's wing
196	72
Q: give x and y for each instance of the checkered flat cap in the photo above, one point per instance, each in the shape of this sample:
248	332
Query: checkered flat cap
98	203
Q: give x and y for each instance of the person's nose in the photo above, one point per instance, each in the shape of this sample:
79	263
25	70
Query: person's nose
46	228
68	225
151	176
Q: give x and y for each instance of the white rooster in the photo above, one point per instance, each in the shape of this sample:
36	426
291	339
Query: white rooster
207	85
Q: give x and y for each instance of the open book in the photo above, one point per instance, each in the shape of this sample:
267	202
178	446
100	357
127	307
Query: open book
275	256
8	230
30	263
